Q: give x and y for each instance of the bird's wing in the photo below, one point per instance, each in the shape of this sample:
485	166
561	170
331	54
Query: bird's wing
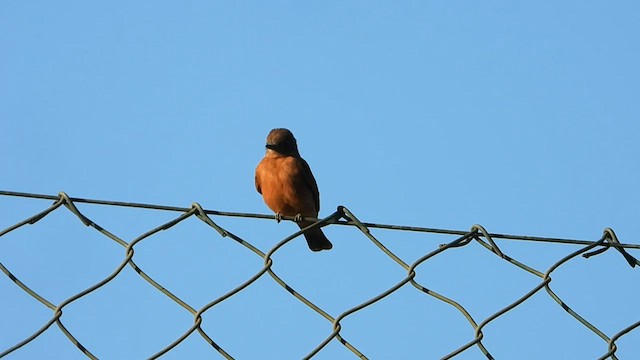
257	181
310	182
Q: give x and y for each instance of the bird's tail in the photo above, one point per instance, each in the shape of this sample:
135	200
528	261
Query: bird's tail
316	239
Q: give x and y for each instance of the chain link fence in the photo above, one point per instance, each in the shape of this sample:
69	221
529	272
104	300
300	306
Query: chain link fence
341	217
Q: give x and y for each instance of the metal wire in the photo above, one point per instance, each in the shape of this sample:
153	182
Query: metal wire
342	216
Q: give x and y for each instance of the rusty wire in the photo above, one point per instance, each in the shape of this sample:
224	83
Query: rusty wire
342	216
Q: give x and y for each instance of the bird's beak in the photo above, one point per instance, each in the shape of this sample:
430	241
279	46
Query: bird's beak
270	146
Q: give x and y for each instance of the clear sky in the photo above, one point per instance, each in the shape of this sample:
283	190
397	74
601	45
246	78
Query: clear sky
519	116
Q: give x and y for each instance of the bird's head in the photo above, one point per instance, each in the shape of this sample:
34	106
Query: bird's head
282	141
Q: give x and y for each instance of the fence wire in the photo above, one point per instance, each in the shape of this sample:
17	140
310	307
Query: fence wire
343	217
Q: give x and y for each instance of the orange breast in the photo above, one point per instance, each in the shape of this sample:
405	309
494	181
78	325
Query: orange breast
283	186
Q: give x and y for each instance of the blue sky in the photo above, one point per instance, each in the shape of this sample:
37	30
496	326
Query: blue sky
521	117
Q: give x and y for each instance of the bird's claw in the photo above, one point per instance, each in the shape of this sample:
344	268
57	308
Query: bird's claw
278	217
297	218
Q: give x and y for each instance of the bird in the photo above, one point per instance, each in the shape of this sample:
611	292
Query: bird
287	186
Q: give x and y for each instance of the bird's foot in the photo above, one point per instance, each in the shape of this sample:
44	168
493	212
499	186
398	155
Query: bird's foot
278	217
297	218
